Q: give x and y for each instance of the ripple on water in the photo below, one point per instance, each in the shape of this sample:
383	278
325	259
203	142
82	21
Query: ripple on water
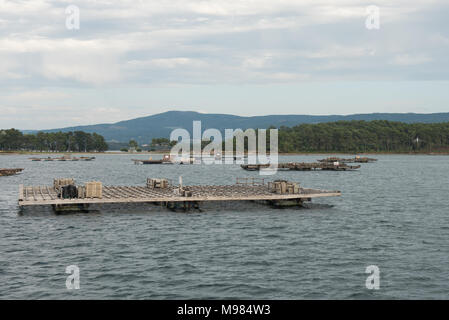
392	214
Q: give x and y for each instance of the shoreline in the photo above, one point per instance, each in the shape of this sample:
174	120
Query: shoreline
442	153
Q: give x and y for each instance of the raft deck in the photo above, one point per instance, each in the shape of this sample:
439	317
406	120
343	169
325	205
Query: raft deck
160	161
351	160
10	172
46	195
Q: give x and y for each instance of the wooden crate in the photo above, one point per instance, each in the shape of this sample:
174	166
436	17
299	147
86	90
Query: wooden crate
81	192
59	182
94	189
154	183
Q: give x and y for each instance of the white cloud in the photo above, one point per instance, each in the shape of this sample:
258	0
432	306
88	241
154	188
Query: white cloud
29	97
409	60
168	63
142	43
123	41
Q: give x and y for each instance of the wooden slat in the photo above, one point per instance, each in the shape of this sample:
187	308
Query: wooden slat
40	192
126	191
49	193
21	195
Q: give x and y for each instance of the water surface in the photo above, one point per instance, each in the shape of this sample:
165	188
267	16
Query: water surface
393	214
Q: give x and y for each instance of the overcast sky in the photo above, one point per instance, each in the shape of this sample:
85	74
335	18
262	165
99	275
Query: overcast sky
246	57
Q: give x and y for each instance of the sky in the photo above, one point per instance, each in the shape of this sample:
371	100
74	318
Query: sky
132	58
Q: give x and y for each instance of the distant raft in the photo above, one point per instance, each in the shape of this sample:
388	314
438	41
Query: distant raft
357	159
10	172
63	158
301	166
165	160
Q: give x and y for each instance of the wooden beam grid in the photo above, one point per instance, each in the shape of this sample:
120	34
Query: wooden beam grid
38	195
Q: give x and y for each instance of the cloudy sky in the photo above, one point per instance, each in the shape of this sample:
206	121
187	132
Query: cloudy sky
133	58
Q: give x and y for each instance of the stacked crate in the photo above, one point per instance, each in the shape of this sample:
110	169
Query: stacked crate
285	187
81	192
94	189
58	183
292	188
185	192
154	183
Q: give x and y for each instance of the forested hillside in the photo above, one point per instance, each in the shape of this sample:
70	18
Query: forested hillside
144	129
365	136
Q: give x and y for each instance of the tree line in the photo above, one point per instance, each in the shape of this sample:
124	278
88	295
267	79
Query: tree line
360	136
78	141
365	136
341	136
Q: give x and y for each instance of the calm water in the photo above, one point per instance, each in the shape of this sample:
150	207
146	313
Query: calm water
393	214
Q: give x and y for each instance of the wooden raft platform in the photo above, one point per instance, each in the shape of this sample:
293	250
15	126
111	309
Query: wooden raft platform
46	195
63	158
159	161
302	166
10	172
165	160
351	160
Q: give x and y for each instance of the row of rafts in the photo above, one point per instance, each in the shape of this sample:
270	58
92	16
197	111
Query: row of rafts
331	163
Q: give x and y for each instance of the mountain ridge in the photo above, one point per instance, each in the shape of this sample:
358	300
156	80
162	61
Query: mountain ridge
143	129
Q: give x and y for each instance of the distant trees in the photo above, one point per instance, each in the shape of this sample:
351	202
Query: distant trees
161	144
355	137
79	141
341	136
160	141
133	144
365	136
